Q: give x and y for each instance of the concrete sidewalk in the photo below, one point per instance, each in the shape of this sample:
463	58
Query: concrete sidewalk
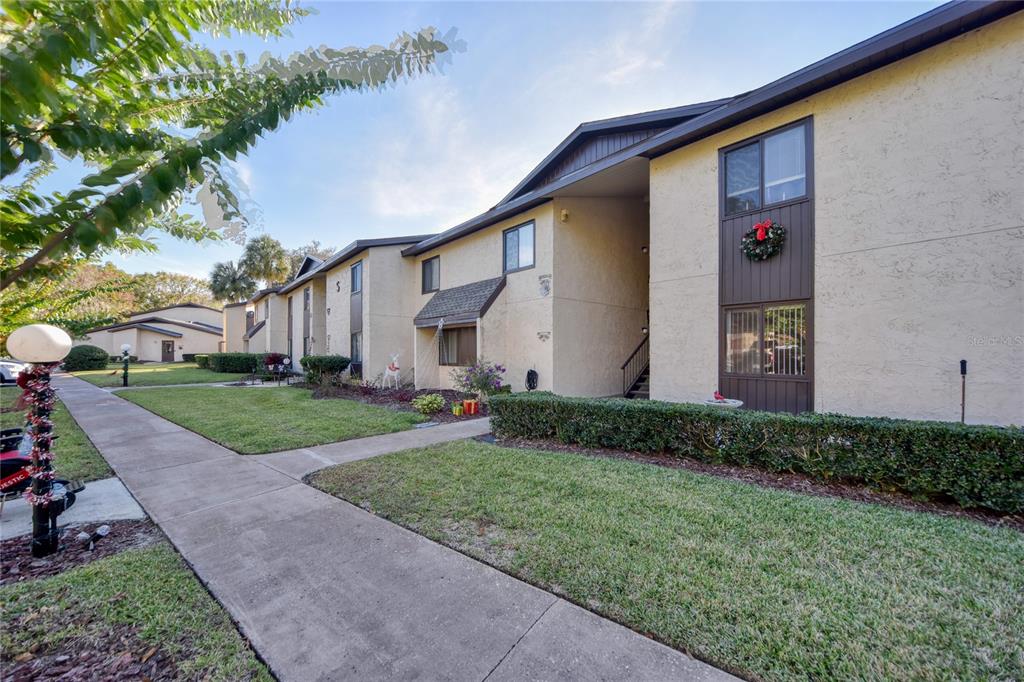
326	591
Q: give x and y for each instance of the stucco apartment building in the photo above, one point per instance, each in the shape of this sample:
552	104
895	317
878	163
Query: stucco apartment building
615	267
162	334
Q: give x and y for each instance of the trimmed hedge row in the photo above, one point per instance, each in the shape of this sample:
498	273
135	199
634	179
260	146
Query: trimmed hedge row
85	357
202	361
319	366
235	363
977	466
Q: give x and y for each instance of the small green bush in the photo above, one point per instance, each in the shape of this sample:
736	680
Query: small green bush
321	367
86	357
235	363
977	466
429	403
202	361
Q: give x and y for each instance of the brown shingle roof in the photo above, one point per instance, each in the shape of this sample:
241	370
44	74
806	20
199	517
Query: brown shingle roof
460	304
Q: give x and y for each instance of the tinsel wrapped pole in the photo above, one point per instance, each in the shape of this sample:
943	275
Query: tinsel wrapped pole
40	397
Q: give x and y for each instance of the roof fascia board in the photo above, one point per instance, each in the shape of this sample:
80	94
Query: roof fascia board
623	123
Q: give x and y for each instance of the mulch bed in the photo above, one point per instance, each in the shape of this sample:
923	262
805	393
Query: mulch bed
780	480
17	562
116	653
397	399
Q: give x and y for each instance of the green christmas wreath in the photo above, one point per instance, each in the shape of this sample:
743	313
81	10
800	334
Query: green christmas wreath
763	240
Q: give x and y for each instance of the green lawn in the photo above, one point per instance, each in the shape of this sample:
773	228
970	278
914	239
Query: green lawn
765	583
75	457
155	374
255	420
150	589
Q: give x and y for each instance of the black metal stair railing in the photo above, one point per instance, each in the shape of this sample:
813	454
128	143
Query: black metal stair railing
634	366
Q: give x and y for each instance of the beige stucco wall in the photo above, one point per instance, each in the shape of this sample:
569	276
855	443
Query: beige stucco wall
389	280
521	340
919	241
318	323
275	332
338	293
600	289
146	344
148	348
317	320
233	323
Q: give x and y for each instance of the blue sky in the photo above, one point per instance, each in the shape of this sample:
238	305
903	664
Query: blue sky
430	153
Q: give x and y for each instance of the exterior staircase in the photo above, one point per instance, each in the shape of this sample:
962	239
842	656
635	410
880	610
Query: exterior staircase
642	388
636	372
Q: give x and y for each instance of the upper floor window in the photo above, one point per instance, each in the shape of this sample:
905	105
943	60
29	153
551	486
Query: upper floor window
306	298
431	274
768	170
518	245
266	309
357	277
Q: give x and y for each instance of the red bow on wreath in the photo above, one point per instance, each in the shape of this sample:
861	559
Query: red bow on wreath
762	229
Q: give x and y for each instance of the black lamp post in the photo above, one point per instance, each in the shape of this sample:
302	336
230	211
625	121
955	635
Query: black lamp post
44	346
126	350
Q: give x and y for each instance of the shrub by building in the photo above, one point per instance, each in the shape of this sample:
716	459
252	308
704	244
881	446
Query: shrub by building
324	367
86	357
976	466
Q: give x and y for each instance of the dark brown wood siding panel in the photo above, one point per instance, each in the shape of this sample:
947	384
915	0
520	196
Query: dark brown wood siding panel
592	150
786	276
773	395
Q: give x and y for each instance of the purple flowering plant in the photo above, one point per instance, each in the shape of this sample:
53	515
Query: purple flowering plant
481	378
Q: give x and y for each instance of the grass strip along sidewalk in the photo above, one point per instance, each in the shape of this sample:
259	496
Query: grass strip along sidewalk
75	457
765	583
155	374
258	420
122	617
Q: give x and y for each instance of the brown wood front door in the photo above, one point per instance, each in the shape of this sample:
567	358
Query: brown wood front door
167	351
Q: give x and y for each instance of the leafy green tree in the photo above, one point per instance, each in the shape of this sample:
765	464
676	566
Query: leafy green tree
161	289
123	87
231	283
265	259
314	249
52	301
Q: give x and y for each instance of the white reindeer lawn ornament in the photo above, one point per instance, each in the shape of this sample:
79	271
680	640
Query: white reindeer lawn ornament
392	372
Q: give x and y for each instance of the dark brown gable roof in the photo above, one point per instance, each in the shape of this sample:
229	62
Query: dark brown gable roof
594	140
348	252
460	304
929	29
158	330
197	326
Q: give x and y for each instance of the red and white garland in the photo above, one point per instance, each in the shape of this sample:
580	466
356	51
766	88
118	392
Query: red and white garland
40	398
763	240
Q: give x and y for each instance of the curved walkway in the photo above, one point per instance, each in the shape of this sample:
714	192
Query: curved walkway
327	591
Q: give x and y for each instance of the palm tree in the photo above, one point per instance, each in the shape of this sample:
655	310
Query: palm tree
264	258
231	283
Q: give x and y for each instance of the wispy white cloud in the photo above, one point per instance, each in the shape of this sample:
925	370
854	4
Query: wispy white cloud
445	165
640	50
